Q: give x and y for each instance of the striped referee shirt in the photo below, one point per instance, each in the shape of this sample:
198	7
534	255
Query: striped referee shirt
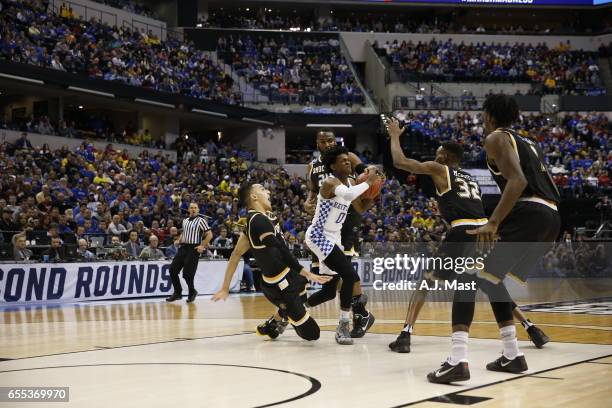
194	229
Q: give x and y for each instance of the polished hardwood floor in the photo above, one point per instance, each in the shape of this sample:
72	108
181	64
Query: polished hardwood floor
574	370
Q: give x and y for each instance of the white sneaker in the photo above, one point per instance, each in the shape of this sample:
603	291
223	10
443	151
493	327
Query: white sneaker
343	333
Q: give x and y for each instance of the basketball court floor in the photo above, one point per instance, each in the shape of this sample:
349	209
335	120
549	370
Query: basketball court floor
147	353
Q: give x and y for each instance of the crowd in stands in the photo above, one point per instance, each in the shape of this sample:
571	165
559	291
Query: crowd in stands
382	22
558	70
578	148
108	203
94	128
308	71
29	34
111	204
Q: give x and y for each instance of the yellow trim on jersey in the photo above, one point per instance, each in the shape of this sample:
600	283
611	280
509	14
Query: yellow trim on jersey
314	265
514	145
497	173
301	321
276	278
486	275
448	180
351	252
302	293
536	199
516	278
469	221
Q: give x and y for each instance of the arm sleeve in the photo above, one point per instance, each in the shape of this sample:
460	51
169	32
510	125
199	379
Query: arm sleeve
273	241
352	192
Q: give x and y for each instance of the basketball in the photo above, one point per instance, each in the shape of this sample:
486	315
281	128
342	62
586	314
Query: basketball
374	189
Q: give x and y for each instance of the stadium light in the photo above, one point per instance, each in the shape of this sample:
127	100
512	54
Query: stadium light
18	78
164	105
330	125
90	91
263	122
205	112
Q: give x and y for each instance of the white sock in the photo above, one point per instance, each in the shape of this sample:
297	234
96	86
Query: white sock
508	336
407	328
459	348
345	315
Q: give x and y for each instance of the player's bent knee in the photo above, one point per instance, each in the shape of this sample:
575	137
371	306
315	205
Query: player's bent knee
309	330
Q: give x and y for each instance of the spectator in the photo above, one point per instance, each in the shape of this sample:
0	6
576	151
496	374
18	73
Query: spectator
57	251
82	253
116	227
152	252
133	247
23	143
7	227
20	250
117	251
222	240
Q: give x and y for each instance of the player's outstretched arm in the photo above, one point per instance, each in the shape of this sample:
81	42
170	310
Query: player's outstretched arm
400	160
314	277
500	150
242	246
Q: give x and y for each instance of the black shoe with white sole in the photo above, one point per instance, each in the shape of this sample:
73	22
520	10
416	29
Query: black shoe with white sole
401	344
515	366
448	373
537	336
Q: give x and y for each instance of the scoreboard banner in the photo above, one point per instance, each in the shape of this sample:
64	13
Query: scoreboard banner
502	2
37	283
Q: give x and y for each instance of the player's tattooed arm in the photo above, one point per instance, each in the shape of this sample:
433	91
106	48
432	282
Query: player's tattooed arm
242	246
431	168
502	153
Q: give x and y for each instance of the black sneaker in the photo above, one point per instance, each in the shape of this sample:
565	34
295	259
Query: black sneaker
448	373
515	366
268	328
174	297
537	336
401	344
361	324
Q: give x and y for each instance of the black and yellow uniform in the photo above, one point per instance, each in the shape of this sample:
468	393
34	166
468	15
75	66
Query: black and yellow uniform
282	284
461	207
349	235
534	218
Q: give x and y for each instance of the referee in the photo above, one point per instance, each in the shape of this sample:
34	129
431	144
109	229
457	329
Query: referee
194	239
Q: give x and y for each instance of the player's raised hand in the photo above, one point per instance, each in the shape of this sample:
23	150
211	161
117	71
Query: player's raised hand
223	294
393	127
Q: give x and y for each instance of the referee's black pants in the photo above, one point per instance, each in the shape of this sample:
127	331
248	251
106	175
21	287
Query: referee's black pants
186	259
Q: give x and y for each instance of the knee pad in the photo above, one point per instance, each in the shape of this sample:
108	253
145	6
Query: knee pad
309	330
